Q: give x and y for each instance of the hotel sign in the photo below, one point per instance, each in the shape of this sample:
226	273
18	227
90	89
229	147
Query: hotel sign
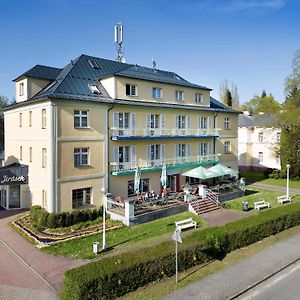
14	174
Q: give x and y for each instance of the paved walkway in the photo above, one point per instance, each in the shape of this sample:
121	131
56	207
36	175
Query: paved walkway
25	268
274	187
242	275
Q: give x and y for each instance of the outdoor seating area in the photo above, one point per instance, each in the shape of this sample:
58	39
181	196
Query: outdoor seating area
284	199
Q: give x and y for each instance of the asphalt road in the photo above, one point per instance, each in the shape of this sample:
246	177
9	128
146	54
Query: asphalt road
282	286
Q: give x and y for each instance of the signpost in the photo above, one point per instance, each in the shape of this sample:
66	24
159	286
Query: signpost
177	238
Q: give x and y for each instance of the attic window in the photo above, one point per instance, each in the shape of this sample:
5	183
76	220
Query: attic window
94	64
94	89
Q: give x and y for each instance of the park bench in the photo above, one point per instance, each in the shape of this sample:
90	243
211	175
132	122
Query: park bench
261	204
283	199
184	224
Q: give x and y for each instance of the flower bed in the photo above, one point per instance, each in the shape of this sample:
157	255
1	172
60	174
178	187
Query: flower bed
46	237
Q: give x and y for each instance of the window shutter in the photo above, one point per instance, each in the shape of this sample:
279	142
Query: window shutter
148	154
188	150
163	152
133	155
177	122
199	123
133	123
116	120
148	121
116	153
188	122
176	150
209	123
209	148
162	123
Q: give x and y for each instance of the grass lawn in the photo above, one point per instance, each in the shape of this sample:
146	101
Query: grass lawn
122	239
167	285
259	177
254	195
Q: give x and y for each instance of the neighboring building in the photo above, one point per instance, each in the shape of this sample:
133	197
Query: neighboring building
84	129
258	139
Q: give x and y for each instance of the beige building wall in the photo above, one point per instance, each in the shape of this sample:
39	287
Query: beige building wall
19	133
144	92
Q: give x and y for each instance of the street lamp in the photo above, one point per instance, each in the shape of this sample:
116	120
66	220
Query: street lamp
103	219
287	179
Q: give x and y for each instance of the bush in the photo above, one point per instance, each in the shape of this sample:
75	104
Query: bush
113	277
43	219
277	174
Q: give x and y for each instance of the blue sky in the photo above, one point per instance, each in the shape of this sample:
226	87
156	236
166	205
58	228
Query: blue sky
250	42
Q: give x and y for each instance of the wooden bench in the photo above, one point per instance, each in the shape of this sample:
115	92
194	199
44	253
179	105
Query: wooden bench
261	204
184	224
283	199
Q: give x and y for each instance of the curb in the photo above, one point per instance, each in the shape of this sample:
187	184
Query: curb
30	268
262	280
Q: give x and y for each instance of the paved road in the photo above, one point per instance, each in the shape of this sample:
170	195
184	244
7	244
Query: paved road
282	286
26	271
242	275
274	188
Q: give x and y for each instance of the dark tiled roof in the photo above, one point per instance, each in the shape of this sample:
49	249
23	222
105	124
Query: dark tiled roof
41	72
265	120
72	82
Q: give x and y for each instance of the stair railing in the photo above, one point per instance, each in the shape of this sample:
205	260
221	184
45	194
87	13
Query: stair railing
210	195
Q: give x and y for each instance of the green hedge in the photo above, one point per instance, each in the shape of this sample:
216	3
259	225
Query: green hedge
116	276
43	219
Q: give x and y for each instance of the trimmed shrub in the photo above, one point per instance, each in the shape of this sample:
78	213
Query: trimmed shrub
113	277
43	219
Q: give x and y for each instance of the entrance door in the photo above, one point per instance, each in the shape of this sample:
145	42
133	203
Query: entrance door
174	182
3	198
14	196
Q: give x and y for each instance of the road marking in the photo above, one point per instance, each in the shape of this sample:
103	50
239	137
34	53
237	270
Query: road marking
270	282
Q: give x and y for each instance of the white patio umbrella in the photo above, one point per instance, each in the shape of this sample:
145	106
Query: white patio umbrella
200	172
222	170
163	177
137	181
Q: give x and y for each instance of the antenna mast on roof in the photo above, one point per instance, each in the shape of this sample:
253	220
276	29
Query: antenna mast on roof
119	42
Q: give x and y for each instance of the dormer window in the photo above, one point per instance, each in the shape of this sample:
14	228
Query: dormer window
198	98
94	64
94	89
131	90
179	95
21	89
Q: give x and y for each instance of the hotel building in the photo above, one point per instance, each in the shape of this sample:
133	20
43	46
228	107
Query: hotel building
82	130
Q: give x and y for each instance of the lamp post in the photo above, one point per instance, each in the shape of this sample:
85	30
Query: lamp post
287	179
103	219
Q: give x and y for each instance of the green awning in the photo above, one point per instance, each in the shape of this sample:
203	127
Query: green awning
200	172
221	170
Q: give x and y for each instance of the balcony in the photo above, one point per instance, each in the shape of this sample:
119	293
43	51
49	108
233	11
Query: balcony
125	168
161	133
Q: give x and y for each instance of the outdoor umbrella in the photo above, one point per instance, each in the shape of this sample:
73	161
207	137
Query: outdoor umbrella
200	172
137	181
222	170
163	177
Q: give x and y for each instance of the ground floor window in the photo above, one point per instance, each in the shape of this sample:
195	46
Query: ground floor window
192	180
144	186
44	199
81	197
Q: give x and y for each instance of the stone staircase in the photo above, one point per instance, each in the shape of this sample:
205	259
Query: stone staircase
200	206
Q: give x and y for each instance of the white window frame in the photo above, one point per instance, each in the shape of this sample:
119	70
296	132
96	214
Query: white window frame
44	158
44	118
132	89
203	122
227	123
87	195
260	137
203	149
81	157
94	89
81	115
21	89
198	97
179	95
44	199
260	157
156	93
227	147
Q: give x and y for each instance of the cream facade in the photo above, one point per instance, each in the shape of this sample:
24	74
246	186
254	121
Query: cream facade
258	141
85	138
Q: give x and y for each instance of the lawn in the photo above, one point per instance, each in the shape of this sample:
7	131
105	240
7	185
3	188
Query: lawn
259	177
253	195
122	239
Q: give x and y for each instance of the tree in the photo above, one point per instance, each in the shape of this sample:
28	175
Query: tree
4	101
289	120
225	92
257	104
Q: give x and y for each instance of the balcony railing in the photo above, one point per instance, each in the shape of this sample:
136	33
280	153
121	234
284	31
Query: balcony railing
121	133
158	163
